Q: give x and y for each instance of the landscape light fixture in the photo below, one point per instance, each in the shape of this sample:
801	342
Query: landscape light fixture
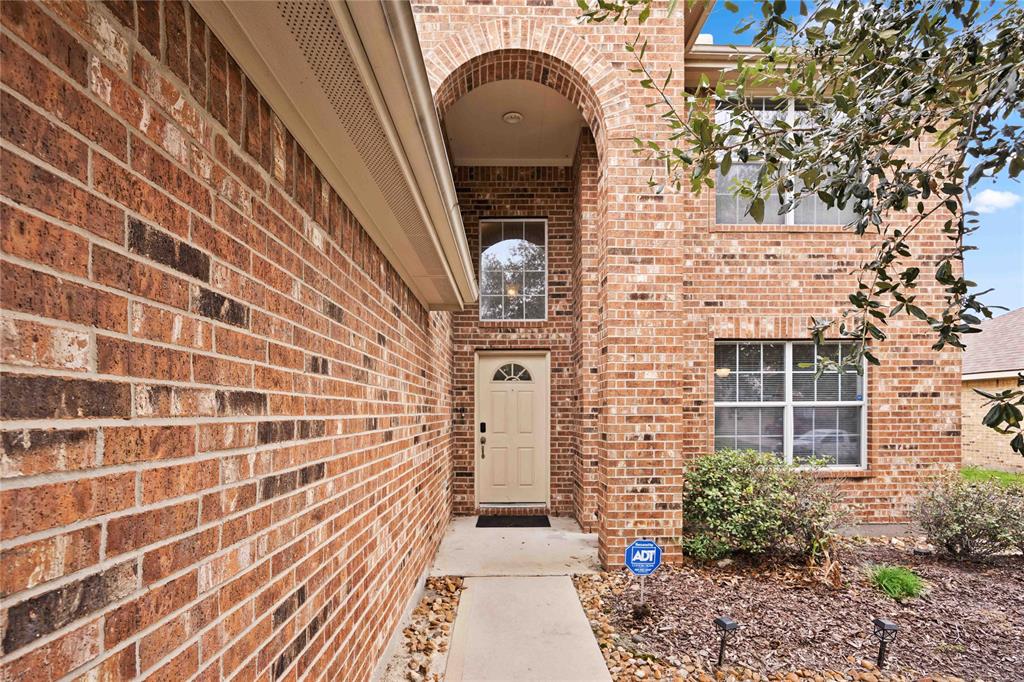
885	631
727	629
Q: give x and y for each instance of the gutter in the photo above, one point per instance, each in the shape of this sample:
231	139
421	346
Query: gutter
380	144
407	45
411	121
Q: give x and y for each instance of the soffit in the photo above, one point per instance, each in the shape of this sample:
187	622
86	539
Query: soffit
308	60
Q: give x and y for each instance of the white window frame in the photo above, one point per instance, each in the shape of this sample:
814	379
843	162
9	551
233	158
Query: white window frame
789	216
788	404
480	267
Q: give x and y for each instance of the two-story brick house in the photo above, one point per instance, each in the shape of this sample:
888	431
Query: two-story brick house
286	285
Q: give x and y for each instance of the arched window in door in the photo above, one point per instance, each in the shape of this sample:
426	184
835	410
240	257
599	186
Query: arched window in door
512	372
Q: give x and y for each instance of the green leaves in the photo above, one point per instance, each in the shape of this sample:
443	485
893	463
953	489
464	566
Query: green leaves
757	209
725	165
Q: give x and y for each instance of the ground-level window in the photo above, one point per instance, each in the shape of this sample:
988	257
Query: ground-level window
769	397
513	269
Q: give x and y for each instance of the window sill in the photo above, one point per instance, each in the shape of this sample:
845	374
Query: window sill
780	229
845	473
512	323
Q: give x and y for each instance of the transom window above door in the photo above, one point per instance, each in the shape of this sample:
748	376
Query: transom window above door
769	396
513	269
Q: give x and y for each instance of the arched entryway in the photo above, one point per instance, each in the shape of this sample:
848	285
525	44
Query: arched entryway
640	411
527	139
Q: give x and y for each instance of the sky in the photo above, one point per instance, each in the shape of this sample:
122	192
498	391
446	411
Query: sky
998	262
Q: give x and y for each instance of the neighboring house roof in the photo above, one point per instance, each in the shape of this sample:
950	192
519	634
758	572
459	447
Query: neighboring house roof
999	347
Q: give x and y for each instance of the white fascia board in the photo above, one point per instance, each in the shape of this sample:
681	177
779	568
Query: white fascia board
387	33
251	32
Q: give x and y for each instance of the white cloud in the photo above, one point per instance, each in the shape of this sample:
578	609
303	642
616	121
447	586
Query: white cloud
992	200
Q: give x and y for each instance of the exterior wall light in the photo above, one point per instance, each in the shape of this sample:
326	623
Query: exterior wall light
885	631
727	629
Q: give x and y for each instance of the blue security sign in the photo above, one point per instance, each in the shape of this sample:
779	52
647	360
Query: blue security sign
643	557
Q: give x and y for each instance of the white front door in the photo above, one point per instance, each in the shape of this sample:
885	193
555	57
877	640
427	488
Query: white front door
513	403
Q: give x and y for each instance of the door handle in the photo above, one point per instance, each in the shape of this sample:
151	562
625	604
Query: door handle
483	441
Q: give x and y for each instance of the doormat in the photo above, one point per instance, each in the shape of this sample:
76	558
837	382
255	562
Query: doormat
513	521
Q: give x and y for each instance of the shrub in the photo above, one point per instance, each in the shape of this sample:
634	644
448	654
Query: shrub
814	514
896	581
751	503
1016	520
972	519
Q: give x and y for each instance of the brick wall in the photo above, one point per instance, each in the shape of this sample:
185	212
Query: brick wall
982	446
506	192
586	330
667	281
221	406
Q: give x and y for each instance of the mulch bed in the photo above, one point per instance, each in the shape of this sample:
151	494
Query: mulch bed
969	623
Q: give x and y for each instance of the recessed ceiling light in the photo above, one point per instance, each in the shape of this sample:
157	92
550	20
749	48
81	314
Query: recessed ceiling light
512	117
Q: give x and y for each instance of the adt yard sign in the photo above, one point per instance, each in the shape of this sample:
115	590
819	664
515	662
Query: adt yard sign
643	557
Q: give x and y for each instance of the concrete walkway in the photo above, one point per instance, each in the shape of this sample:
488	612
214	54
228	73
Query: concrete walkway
519	617
523	628
562	549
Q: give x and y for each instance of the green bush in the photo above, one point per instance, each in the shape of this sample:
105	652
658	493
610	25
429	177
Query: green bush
972	519
896	581
751	503
1015	519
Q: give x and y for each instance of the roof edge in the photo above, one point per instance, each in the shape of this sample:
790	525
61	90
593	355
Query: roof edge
423	239
995	374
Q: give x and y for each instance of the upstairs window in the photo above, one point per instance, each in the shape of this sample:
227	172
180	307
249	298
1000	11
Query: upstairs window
513	269
769	398
731	209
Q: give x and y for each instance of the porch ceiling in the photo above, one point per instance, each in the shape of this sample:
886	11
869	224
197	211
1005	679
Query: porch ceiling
546	135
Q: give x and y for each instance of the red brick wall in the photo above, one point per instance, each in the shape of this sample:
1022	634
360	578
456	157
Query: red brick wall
504	192
586	329
669	282
225	418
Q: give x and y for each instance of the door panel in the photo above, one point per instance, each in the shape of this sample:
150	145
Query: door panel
499	467
512	457
524	403
526	466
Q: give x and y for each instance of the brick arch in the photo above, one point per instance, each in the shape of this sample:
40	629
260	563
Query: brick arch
523	49
518	64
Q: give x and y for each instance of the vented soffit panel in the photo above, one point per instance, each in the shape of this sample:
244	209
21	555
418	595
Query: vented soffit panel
372	143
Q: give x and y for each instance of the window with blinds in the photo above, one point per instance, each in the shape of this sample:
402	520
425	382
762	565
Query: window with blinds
731	209
770	397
